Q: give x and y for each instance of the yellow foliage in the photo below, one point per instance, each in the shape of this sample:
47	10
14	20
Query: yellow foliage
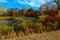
59	13
42	17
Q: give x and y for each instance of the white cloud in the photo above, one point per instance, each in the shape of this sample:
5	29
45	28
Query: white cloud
22	2
32	2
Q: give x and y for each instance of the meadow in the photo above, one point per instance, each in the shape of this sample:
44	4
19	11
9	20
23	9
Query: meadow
16	23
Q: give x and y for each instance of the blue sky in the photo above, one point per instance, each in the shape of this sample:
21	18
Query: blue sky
24	3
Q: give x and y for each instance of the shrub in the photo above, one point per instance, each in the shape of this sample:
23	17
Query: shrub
54	25
23	27
42	17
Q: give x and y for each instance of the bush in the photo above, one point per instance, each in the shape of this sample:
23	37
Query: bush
42	17
54	25
22	27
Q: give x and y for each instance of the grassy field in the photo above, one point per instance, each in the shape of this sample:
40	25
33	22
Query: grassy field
54	35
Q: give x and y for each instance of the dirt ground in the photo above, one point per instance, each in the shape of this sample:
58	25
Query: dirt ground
54	35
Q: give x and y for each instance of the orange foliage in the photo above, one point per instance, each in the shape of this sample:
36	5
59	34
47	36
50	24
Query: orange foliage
30	12
11	12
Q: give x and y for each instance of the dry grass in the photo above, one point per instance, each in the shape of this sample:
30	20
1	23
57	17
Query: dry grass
54	35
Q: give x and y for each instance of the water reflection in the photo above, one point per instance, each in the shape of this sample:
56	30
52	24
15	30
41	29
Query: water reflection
9	22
